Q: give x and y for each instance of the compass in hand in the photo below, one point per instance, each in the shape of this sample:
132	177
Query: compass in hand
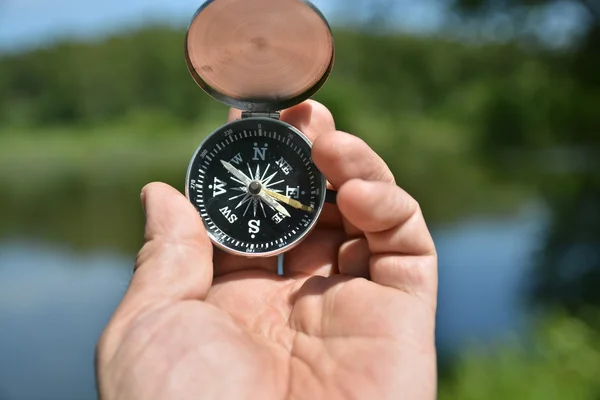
253	180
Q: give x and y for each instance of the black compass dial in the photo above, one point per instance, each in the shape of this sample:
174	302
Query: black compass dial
255	186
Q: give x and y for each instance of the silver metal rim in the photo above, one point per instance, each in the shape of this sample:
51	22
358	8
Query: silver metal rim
258	105
273	253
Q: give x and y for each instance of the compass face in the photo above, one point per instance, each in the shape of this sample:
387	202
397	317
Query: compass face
255	186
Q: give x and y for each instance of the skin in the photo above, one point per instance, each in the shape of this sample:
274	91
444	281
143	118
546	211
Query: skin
353	317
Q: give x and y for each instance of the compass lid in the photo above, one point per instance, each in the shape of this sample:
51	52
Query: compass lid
259	55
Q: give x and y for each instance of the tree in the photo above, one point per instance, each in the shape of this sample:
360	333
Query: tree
569	271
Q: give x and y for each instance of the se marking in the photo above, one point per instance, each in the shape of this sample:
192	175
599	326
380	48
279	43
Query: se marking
277	218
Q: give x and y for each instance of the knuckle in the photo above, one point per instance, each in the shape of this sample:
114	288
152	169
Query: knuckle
358	143
411	275
382	173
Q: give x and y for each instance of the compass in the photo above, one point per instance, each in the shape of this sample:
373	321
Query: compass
253	180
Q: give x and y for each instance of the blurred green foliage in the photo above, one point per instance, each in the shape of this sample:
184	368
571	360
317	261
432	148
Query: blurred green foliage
561	361
430	107
568	271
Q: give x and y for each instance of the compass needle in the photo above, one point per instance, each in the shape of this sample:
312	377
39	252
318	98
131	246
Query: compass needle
253	180
288	201
274	204
238	175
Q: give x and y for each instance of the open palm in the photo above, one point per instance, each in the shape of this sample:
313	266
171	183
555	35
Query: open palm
352	317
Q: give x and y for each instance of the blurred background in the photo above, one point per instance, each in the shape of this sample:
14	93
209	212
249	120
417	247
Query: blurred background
487	111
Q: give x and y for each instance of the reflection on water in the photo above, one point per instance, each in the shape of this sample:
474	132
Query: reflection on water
54	303
53	306
483	271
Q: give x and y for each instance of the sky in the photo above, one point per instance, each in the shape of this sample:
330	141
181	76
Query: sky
27	23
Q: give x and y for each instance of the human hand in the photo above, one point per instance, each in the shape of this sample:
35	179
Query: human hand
352	318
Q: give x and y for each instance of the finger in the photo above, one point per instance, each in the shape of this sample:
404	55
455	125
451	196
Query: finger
389	216
175	262
234	114
317	255
330	218
311	118
403	252
342	157
353	258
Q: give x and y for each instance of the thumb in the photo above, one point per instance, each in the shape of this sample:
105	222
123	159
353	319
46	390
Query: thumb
175	262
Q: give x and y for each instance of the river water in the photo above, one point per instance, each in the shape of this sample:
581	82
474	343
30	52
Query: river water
54	302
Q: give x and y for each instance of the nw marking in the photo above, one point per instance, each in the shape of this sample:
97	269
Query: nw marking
237	159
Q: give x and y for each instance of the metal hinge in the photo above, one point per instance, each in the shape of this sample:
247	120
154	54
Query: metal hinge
250	114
